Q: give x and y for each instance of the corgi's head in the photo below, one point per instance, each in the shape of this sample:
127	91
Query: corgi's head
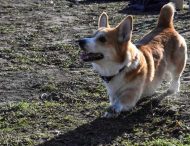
108	45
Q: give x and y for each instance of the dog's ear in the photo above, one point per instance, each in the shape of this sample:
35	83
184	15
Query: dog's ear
125	29
103	20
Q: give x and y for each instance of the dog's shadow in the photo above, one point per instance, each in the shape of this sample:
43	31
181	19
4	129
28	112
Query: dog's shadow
104	131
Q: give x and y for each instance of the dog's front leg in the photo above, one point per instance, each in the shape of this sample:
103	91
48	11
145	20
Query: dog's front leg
126	101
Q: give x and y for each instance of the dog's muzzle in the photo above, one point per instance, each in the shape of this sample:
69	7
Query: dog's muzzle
88	56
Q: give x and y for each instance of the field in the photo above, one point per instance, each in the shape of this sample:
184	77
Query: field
49	97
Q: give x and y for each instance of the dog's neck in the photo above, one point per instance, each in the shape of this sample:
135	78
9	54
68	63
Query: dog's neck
108	71
107	79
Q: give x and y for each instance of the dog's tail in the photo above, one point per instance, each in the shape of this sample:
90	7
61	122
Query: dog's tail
166	16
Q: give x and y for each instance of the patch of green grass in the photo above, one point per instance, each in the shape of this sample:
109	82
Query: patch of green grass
54	29
25	123
35	48
6	50
66	63
24	67
49	87
168	142
51	104
38	58
7	29
21	58
158	142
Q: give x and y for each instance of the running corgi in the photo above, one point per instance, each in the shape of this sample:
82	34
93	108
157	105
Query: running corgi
131	71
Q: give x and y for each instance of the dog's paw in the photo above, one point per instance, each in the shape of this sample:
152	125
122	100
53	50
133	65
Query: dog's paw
112	112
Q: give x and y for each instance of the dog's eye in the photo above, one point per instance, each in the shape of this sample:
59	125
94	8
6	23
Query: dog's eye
102	39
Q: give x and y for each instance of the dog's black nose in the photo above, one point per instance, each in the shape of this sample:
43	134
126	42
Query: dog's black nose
82	43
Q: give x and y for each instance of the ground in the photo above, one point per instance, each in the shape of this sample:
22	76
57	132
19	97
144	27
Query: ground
49	97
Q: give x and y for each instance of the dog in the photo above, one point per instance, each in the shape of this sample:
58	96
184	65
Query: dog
131	71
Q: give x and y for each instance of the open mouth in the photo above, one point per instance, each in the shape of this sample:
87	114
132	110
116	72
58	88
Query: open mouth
91	56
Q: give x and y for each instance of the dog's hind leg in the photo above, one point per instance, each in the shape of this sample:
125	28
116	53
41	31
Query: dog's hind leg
176	72
174	85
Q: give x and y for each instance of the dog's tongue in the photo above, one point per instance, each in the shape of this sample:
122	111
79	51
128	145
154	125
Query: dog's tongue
91	56
84	56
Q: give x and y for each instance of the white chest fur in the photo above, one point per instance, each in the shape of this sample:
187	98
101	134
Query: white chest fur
116	85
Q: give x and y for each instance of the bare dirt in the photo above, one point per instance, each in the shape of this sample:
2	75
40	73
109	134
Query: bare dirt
38	54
